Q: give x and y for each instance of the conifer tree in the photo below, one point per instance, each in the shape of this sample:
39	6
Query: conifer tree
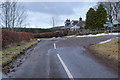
96	19
101	16
90	19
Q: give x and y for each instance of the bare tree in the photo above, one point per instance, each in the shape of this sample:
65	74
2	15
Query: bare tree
113	10
5	14
1	6
21	17
54	20
116	9
13	14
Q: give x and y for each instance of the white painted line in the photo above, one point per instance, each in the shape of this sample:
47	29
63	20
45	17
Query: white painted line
65	67
105	41
83	48
54	46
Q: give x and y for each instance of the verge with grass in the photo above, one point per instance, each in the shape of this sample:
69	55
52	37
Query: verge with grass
109	49
9	54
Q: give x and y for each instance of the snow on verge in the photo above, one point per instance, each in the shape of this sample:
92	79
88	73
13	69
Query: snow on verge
101	34
38	39
70	36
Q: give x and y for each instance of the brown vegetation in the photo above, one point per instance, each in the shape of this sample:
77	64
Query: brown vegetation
9	37
49	35
109	49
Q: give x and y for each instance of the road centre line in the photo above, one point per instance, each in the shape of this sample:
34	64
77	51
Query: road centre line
65	67
54	46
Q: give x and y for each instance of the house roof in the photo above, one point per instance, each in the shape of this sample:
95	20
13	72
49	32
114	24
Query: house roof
75	20
80	23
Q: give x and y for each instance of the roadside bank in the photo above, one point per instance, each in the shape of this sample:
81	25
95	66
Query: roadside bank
14	56
106	52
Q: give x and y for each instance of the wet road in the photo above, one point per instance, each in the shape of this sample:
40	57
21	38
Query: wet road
63	58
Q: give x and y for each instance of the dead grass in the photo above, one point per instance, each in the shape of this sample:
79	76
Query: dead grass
9	53
109	49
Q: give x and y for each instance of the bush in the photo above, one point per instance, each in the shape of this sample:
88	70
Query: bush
9	37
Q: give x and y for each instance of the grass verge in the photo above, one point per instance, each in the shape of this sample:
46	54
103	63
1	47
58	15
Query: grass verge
9	54
109	49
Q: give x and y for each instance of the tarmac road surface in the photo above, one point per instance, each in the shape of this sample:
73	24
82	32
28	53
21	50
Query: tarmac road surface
63	58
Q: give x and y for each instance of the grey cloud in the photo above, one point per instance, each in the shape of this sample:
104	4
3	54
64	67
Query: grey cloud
59	8
40	13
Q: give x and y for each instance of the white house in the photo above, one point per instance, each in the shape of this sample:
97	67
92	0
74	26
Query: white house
75	27
74	24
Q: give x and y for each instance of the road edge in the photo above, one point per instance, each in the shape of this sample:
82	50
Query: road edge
112	64
6	69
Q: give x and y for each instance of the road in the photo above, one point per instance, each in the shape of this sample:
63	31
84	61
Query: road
63	58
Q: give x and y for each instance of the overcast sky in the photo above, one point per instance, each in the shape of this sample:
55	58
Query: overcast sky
40	13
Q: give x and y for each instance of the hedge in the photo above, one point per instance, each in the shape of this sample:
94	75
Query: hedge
49	35
9	37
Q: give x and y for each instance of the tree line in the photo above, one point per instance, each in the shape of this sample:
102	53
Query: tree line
105	12
13	14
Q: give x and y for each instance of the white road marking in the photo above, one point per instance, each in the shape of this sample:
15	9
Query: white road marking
65	67
54	46
83	48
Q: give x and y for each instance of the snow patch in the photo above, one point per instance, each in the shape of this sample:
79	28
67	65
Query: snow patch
101	34
70	36
38	39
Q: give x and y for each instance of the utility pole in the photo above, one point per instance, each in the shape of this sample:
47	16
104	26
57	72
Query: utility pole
53	22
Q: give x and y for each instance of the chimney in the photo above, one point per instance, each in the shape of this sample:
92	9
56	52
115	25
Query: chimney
80	19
